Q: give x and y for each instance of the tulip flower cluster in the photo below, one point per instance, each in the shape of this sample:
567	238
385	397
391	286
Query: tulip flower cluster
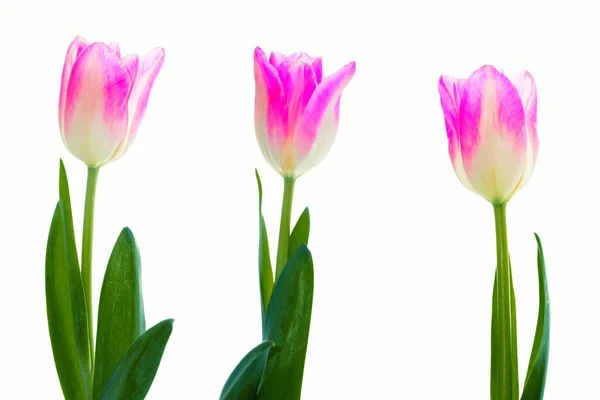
491	124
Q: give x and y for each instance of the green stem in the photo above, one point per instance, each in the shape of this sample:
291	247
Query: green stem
507	384
86	252
284	225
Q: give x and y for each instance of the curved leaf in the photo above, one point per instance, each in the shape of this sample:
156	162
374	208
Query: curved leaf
288	325
535	381
136	370
65	301
121	311
244	381
265	271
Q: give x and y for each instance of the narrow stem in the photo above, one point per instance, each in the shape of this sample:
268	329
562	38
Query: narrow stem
284	225
505	331
86	252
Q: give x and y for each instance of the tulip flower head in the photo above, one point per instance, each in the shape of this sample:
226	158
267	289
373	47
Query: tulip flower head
103	98
296	110
491	122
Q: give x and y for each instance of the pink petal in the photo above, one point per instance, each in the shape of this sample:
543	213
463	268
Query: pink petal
492	134
270	111
277	59
302	57
115	47
323	107
317	65
299	82
145	70
525	85
131	62
95	119
75	48
450	89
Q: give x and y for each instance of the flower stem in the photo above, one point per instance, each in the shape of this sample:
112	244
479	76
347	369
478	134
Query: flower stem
86	252
284	225
506	330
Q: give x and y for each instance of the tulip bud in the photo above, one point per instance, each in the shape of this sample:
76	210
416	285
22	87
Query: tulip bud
103	98
491	123
296	111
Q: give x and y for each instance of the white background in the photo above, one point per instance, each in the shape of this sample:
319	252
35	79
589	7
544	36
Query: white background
404	254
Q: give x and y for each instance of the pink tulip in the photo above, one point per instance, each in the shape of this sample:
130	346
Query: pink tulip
103	98
296	111
491	123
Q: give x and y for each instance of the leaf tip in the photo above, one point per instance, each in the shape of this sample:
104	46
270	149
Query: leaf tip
169	322
127	233
258	179
62	176
538	240
307	217
259	183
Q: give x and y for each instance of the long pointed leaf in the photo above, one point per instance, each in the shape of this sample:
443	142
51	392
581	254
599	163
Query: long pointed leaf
288	325
300	232
136	370
121	317
535	381
265	271
77	294
244	381
513	320
494	369
65	301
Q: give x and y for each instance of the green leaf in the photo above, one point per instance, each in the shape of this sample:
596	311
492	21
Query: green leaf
513	320
65	301
121	312
535	380
300	232
495	370
136	370
244	381
288	325
265	271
